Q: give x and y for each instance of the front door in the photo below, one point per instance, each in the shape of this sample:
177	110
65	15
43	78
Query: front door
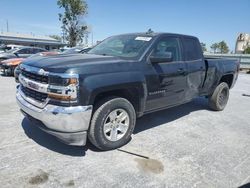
170	87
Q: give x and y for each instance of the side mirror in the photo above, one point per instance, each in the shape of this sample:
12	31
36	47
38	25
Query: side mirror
166	57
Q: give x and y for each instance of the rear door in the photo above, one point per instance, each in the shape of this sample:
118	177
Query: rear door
170	87
195	66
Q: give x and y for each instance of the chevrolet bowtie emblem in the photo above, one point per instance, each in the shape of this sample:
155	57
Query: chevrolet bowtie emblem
41	71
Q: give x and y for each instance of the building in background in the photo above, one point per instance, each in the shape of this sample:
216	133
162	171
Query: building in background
30	40
243	41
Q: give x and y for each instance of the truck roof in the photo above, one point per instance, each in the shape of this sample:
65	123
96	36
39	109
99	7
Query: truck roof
158	34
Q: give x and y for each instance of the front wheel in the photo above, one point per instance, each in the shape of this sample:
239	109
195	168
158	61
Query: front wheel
112	123
219	98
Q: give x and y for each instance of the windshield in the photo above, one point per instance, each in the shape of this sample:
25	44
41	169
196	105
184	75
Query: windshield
126	46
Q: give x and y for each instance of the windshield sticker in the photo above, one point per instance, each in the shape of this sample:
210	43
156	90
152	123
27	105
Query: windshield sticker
143	38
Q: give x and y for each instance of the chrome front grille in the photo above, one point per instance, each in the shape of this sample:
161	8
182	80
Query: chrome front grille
38	96
33	85
37	89
35	77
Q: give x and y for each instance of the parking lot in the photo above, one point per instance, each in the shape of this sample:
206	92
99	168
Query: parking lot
186	146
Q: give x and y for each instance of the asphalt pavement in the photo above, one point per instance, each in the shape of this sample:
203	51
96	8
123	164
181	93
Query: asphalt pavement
185	146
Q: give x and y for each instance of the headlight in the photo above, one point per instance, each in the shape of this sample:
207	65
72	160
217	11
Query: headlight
63	89
59	81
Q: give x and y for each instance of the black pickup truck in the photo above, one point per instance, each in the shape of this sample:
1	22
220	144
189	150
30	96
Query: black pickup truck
100	94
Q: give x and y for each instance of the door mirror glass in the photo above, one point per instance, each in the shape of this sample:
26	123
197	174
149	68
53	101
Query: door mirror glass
162	57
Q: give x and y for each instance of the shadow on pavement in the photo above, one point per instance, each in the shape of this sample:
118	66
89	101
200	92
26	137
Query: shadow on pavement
146	122
51	143
247	185
4	75
165	116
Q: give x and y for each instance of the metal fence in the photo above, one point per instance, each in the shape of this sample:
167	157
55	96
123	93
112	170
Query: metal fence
244	59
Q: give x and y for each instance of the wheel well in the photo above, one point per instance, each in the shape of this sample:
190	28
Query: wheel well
228	79
132	95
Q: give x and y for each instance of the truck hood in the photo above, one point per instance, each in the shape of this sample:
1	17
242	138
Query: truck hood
64	62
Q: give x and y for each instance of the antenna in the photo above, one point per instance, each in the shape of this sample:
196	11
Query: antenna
92	37
150	31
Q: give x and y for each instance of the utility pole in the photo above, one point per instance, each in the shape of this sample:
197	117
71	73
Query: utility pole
7	25
86	39
92	37
63	39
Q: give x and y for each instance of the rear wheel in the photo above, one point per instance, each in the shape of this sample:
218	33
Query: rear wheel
112	123
219	98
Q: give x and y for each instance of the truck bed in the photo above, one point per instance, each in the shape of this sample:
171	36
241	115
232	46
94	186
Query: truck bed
215	68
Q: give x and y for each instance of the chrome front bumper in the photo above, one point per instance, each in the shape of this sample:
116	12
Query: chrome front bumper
69	124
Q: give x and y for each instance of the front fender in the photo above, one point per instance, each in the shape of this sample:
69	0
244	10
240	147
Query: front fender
93	85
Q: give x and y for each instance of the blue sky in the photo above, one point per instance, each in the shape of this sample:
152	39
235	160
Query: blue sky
210	20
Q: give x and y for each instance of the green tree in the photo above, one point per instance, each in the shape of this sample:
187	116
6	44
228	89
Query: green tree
247	50
57	37
214	47
223	47
72	20
203	46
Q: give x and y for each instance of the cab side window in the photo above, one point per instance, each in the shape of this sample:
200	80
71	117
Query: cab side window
192	49
166	46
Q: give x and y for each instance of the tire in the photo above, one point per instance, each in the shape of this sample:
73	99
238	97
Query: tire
12	71
9	72
219	98
108	130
